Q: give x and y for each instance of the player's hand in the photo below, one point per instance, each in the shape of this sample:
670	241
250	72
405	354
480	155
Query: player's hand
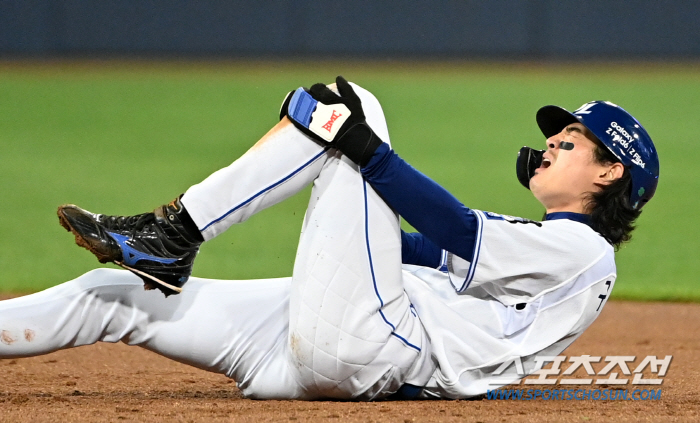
333	118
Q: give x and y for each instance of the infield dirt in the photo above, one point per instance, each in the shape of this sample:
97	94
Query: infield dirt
114	382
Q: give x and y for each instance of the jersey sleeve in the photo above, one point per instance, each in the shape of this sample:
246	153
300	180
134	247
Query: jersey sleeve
515	260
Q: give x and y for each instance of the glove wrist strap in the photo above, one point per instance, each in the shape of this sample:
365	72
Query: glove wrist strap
359	143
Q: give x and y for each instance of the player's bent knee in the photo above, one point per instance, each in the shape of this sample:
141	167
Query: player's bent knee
373	112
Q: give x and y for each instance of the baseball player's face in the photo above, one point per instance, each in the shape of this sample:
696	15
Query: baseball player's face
569	171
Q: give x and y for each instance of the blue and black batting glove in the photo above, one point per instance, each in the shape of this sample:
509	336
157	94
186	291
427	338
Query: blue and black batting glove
333	119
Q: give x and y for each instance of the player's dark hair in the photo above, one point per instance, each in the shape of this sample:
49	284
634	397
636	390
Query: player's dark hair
612	216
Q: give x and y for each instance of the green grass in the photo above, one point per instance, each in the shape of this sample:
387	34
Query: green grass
122	138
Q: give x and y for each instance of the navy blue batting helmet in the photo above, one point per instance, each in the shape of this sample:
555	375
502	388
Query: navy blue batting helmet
620	132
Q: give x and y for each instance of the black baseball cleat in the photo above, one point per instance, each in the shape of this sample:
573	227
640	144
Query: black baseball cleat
159	247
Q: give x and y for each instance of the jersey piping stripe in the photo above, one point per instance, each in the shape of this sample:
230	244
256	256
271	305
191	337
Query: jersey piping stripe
600	270
443	261
299	169
477	250
374	280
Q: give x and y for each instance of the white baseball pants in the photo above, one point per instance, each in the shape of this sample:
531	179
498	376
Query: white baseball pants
340	327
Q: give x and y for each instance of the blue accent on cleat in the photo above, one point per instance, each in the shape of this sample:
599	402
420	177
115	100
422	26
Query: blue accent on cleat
301	106
131	256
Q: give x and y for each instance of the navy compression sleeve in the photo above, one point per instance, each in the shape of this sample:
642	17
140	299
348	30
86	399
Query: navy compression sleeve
419	250
427	206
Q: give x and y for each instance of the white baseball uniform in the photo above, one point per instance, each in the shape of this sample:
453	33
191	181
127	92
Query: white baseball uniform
352	322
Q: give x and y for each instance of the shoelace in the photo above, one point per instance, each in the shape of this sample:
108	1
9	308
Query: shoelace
131	223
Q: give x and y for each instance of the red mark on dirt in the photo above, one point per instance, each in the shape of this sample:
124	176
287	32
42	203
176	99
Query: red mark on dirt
6	338
29	335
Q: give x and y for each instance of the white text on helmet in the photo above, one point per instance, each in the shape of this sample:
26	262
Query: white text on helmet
624	143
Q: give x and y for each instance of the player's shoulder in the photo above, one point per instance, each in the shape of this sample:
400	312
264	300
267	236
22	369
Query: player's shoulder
491	216
577	234
577	230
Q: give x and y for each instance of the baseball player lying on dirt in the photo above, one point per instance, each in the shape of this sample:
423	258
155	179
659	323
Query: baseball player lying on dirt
370	311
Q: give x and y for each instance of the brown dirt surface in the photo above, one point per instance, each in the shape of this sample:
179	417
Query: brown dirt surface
114	382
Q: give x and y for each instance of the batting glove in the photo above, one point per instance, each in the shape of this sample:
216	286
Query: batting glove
334	119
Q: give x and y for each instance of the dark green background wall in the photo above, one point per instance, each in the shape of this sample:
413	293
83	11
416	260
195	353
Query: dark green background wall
494	29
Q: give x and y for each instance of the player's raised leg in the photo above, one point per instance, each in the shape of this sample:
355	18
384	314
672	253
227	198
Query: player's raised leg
160	247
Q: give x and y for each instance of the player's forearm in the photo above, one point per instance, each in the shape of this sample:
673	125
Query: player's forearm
427	206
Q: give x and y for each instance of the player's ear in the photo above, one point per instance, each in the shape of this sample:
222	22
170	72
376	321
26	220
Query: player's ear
609	173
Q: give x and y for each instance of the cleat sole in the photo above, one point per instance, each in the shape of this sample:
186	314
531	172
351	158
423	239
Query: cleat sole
80	241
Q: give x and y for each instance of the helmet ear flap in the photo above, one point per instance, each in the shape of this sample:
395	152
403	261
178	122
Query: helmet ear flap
528	161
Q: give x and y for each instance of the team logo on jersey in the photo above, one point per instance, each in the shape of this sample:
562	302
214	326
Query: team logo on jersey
510	219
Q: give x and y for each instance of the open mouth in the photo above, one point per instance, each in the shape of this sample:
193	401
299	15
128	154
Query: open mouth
545	163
